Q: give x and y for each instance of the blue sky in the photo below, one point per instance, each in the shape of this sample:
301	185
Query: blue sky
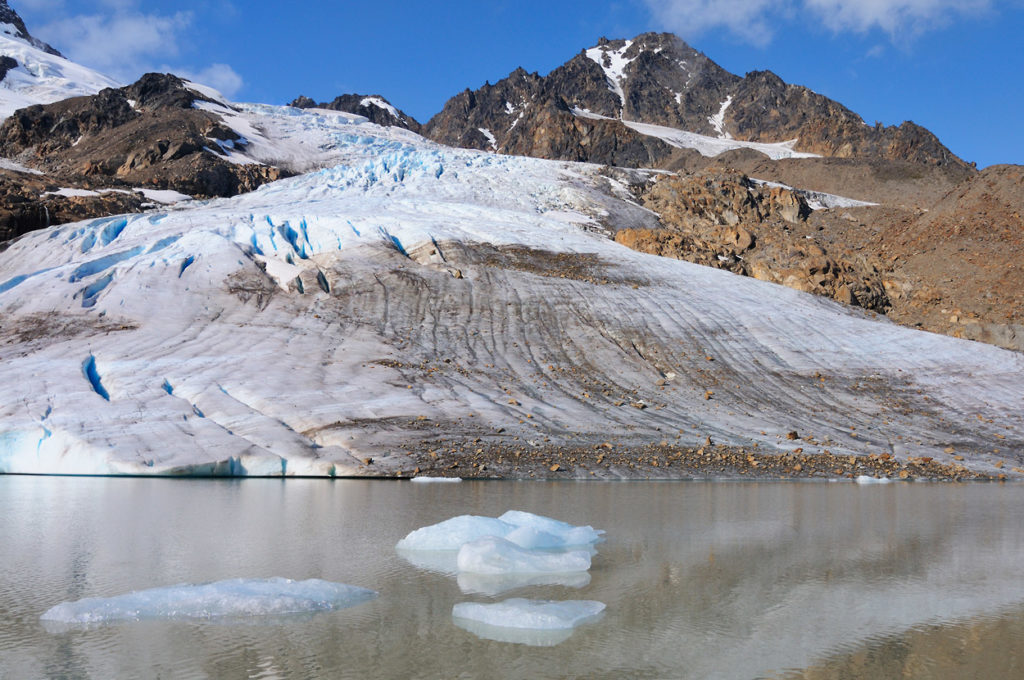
954	66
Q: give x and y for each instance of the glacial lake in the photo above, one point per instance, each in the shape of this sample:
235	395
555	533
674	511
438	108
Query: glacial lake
701	579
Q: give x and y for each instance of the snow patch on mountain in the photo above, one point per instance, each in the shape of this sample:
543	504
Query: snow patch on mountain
718	120
380	104
818	200
613	63
41	77
707	146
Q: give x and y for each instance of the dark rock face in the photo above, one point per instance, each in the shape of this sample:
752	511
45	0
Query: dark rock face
147	134
6	64
659	79
9	16
371	106
765	109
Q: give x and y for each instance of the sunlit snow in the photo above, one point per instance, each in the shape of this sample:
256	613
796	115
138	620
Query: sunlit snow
615	70
707	146
40	77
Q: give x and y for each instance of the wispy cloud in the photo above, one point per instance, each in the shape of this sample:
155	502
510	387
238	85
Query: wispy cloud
220	77
123	41
123	44
892	16
756	21
747	19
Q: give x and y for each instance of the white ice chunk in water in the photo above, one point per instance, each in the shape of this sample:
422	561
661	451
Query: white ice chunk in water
452	533
493	555
232	598
438	480
866	479
536	622
496	584
566	534
523	528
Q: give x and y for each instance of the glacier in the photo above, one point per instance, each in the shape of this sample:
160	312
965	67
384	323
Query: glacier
327	324
231	598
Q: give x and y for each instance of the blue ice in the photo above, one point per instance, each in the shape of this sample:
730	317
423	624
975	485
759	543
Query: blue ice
232	598
531	622
494	556
522	528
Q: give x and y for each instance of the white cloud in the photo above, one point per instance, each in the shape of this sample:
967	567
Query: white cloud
892	16
745	18
122	41
122	45
753	21
220	77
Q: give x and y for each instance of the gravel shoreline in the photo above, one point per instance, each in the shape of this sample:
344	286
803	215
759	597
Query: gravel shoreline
661	461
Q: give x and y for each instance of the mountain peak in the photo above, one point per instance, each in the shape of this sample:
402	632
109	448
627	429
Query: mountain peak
16	27
633	101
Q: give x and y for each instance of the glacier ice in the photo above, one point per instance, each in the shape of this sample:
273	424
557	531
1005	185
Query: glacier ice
535	622
231	598
496	584
493	555
522	528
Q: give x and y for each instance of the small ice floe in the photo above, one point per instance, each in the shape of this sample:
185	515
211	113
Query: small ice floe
232	598
496	584
530	622
429	480
494	556
867	479
522	528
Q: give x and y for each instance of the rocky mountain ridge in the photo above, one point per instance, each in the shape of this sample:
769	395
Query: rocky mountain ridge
373	107
9	16
148	134
582	110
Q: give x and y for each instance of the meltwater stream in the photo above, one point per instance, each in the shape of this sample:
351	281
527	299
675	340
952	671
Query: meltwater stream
698	580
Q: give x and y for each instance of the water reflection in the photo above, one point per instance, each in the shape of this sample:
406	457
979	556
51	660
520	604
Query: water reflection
700	580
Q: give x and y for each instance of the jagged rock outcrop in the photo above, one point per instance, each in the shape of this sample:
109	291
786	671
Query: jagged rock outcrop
763	108
373	107
722	219
29	202
148	134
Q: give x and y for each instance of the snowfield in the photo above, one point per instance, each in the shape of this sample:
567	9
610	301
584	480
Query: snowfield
40	77
325	324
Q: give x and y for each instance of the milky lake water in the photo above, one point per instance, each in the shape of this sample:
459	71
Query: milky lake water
700	580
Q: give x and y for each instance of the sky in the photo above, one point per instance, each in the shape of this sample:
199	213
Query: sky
953	66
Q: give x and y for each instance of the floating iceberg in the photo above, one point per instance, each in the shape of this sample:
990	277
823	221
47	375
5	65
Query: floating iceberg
533	622
496	584
493	556
232	598
522	528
